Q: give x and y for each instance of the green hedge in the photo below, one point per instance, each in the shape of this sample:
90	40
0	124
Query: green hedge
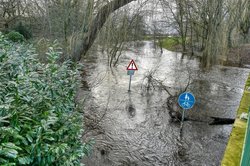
39	120
15	36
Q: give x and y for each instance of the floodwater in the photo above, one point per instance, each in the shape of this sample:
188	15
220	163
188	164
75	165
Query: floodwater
135	129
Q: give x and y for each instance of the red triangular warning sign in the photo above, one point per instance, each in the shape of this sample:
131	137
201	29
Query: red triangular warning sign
132	65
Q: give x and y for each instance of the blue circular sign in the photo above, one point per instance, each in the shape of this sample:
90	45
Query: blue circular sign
186	100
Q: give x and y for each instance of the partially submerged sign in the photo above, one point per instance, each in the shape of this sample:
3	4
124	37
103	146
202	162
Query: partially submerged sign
131	71
186	100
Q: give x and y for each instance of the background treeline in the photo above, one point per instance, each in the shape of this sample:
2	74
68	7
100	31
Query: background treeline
74	23
209	28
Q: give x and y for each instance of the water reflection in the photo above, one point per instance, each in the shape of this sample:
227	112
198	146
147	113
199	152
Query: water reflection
130	107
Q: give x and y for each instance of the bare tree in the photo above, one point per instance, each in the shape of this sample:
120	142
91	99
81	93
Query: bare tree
88	38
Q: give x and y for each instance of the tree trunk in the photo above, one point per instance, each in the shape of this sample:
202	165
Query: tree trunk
84	44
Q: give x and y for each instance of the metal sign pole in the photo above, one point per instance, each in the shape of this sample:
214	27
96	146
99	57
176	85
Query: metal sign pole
183	115
130	82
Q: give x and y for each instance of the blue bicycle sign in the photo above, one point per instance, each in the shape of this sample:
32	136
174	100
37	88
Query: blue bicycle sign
186	100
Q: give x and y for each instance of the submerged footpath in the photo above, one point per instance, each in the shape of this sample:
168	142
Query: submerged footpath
233	152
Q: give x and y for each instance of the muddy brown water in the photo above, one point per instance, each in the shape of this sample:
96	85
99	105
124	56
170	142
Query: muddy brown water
134	129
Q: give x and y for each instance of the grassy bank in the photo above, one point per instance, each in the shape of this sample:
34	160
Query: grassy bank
167	42
234	147
171	43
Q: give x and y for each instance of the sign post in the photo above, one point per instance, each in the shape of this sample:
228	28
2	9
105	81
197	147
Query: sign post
183	115
131	71
186	101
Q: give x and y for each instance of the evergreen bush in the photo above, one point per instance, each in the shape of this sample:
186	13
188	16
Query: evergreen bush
39	120
15	36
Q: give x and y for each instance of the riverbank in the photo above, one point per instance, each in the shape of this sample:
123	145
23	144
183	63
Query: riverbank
235	57
171	43
239	56
232	155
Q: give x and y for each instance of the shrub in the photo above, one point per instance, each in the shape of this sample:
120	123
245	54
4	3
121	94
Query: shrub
22	29
15	36
39	120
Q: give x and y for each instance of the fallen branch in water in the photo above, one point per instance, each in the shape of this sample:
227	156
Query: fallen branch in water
221	121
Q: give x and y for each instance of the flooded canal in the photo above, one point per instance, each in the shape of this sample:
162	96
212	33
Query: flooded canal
135	129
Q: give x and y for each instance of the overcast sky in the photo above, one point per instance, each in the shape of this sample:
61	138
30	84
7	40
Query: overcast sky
155	17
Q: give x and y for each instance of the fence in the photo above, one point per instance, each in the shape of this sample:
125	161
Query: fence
245	159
